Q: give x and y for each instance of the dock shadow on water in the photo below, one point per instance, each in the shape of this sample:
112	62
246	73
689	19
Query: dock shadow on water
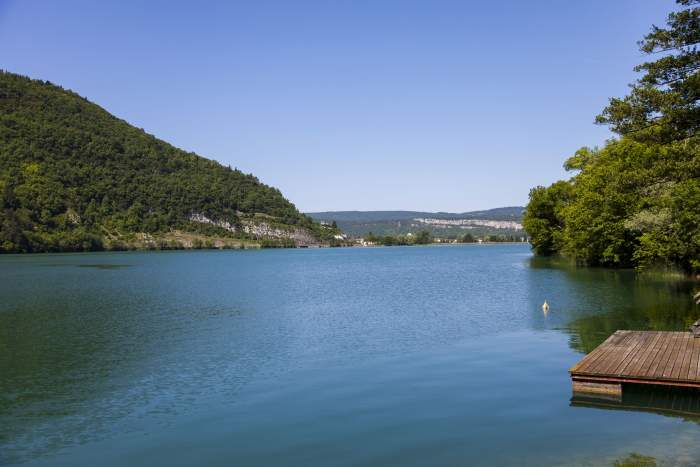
683	403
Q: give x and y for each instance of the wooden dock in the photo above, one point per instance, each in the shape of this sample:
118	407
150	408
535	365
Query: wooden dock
639	357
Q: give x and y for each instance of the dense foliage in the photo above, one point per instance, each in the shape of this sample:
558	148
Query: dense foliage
72	175
423	237
636	201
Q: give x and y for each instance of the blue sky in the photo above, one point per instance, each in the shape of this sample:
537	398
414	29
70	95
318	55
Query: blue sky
368	105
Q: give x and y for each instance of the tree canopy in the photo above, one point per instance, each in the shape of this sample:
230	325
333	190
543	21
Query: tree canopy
636	201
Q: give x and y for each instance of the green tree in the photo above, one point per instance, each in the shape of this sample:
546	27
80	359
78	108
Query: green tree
423	237
635	201
664	104
388	240
544	217
468	238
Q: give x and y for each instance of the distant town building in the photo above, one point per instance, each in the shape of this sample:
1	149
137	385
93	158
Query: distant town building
469	223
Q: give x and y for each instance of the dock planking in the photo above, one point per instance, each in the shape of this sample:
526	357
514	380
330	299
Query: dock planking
640	357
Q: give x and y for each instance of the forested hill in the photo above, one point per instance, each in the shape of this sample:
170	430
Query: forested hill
74	177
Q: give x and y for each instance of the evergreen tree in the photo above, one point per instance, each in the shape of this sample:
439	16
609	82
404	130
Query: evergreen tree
664	104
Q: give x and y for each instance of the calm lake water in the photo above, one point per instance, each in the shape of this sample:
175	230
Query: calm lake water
365	357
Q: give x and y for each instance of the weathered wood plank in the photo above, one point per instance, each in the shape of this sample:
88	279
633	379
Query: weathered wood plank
668	366
682	371
693	369
644	349
674	362
599	352
644	355
650	355
610	351
666	343
665	355
634	346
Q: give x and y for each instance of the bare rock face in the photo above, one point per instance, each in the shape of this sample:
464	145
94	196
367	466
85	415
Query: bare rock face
261	230
72	216
265	230
201	218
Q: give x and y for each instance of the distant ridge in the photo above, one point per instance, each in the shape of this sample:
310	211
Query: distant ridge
512	213
359	223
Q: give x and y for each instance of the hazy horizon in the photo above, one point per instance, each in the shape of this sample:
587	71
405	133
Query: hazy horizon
354	106
412	210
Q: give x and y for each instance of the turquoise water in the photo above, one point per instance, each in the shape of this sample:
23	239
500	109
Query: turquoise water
371	357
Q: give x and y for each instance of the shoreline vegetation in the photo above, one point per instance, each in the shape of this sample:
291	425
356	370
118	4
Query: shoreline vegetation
635	202
425	237
186	241
182	241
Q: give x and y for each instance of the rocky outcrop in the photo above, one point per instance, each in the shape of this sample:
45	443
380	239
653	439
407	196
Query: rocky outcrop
265	230
202	219
260	230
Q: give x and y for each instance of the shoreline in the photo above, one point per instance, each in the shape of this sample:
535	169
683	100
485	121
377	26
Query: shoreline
246	245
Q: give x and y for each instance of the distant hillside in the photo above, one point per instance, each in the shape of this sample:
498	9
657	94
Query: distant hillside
514	213
74	177
498	221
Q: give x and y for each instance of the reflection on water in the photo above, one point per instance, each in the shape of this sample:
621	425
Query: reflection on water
104	266
635	460
95	266
676	402
607	300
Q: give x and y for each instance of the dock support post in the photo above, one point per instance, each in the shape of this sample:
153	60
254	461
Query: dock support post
595	388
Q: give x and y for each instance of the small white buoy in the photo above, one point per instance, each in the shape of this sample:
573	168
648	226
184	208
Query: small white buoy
545	306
